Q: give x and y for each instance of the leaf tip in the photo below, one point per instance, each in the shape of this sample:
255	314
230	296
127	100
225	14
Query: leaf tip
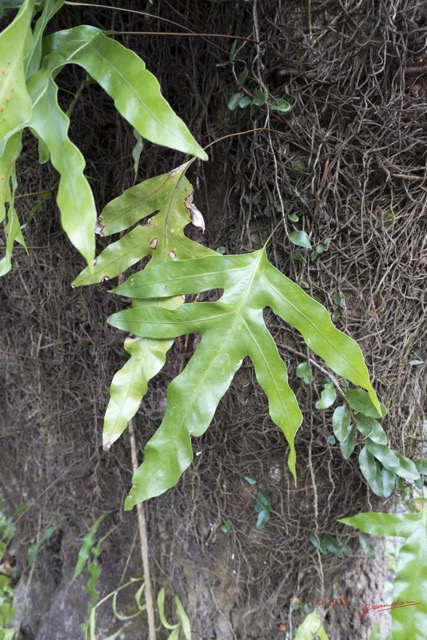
382	411
291	464
130	502
202	154
112	320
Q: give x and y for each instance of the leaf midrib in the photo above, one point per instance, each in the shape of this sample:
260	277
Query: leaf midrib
228	293
168	211
231	333
272	376
136	205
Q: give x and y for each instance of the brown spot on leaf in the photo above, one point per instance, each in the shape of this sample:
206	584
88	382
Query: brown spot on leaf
195	215
99	227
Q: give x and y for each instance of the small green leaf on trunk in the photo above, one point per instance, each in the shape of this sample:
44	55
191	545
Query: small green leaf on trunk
300	239
327	397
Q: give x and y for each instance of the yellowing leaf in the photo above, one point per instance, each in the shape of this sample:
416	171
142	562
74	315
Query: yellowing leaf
231	328
25	57
163	239
15	103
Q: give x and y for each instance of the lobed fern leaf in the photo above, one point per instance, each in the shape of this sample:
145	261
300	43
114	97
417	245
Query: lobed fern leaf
162	239
231	329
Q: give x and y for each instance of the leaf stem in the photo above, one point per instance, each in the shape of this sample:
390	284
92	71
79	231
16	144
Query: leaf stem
273	232
243	133
189	32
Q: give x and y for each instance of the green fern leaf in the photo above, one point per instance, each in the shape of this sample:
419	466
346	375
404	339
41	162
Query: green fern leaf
130	383
15	111
408	621
162	239
123	75
15	103
9	215
34	56
231	329
13	234
75	199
